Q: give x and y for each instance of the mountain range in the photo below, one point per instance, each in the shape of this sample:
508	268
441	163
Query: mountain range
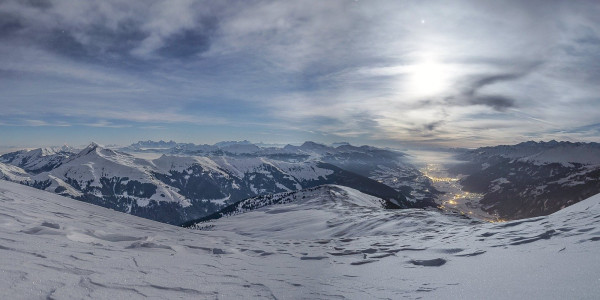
532	178
186	183
176	188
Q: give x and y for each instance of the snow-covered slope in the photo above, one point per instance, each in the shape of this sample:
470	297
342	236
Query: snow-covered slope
57	248
328	196
13	173
111	179
327	210
323	196
88	168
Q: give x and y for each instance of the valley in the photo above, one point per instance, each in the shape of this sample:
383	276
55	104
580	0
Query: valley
452	197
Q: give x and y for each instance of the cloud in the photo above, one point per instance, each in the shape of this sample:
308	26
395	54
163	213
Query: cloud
486	71
488	80
9	24
497	102
185	44
433	125
42	4
120	33
105	124
472	94
36	123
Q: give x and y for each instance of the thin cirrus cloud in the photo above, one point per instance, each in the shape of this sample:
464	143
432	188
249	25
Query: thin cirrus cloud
384	72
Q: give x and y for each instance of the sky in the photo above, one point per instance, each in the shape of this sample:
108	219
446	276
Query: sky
438	73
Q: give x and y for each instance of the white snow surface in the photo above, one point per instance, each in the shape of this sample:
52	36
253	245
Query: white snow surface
54	247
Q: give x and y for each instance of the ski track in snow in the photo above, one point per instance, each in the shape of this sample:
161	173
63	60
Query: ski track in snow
53	247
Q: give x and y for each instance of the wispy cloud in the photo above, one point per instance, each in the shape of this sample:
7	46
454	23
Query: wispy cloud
43	123
105	124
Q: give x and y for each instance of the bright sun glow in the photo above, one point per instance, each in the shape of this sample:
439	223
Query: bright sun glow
428	78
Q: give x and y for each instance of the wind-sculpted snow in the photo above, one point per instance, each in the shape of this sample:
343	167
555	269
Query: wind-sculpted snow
329	210
57	248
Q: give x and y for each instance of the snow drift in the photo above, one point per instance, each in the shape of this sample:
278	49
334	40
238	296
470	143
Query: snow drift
56	247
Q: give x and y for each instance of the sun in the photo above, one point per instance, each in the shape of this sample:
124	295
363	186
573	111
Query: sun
428	77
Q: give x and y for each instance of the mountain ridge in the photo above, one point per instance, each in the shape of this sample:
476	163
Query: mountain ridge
188	187
531	178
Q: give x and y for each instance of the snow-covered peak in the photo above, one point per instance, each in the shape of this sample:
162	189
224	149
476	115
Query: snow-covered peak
64	148
40	152
93	164
90	149
193	149
311	148
98	150
44	151
153	144
241	148
310	145
229	143
93	145
37	160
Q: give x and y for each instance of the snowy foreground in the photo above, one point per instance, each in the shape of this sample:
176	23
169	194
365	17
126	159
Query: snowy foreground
329	245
